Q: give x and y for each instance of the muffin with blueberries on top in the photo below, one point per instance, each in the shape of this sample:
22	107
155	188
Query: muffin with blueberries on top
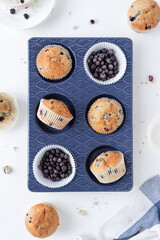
143	15
54	62
54	113
108	167
105	115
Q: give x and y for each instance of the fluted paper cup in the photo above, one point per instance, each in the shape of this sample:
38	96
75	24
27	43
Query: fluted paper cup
50	118
121	59
48	182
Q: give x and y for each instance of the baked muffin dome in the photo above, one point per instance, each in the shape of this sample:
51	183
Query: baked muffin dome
54	62
42	220
105	115
57	107
143	15
108	166
54	113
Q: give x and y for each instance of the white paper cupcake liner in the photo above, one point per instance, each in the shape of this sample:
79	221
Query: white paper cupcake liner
112	176
48	182
7	5
121	59
50	118
117	127
12	117
52	45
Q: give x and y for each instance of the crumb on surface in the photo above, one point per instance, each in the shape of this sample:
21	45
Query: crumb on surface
146	83
140	152
95	203
142	142
82	212
69	13
75	27
141	82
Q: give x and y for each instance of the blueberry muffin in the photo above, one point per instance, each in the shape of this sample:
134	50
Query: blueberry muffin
105	115
8	111
54	62
143	15
108	167
54	113
42	220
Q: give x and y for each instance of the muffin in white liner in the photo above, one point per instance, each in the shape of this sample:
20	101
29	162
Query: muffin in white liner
50	118
50	46
11	117
121	113
9	4
121	59
108	167
48	182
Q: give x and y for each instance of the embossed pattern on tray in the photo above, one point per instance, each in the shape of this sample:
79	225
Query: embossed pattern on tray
80	139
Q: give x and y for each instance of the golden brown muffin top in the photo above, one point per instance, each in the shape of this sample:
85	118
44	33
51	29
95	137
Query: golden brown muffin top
54	62
105	115
144	15
58	107
42	220
109	159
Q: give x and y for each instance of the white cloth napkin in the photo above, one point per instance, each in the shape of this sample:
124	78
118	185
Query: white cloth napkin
141	212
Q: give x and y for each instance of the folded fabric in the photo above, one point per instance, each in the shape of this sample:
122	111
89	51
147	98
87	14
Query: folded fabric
138	219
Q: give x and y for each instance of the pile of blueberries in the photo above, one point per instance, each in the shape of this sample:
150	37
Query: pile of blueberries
103	64
55	165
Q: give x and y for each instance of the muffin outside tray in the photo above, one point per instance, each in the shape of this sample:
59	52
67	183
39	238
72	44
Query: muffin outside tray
80	139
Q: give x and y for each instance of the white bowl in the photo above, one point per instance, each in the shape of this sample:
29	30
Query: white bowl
38	11
153	134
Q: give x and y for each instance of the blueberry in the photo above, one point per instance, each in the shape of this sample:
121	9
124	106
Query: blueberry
58	168
110	66
102	63
56	171
110	51
108	60
103	75
131	18
66	156
101	55
104	67
54	159
115	63
1	119
97	63
12	11
21	1
46	171
91	56
26	16
95	75
110	72
64	168
59	160
104	50
62	175
116	71
61	164
100	70
50	168
93	67
51	156
57	150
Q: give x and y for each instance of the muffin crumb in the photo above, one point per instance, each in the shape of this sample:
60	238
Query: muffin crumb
82	212
75	27
95	203
6	169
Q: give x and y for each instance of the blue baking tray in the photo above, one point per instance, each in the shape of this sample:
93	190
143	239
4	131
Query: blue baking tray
77	90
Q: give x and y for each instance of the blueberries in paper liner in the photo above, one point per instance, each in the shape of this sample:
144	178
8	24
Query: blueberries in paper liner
103	64
55	165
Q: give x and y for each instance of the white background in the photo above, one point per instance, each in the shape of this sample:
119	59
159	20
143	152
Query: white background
15	198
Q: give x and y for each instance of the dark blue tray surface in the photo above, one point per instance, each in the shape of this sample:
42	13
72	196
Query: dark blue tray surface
80	139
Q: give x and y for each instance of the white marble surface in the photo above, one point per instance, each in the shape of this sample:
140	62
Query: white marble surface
15	198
